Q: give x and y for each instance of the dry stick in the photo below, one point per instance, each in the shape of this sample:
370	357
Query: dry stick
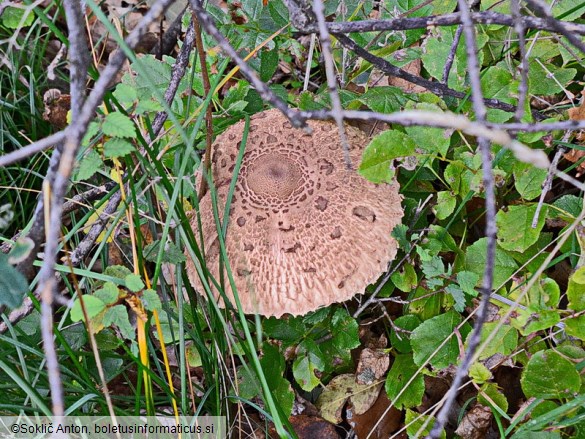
520	29
484	17
336	107
54	192
33	148
540	8
208	110
490	228
265	93
451	56
435	87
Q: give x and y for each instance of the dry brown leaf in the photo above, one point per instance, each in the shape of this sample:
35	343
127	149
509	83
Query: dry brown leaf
57	105
574	155
475	423
379	422
372	365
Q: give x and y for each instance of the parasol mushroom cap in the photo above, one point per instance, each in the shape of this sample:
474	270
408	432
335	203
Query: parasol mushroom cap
304	231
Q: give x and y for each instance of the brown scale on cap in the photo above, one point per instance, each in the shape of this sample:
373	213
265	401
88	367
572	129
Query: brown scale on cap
304	231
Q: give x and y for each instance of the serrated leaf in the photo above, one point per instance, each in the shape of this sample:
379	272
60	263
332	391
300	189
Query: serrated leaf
528	180
458	297
171	254
431	334
515	232
268	64
109	293
117	124
118	315
89	165
345	330
548	375
133	282
126	94
403	369
117	147
548	79
504	265
504	341
384	99
150	300
479	373
13	285
93	307
288	330
570	207
379	155
467	281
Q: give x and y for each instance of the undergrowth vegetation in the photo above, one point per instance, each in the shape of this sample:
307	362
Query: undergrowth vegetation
377	365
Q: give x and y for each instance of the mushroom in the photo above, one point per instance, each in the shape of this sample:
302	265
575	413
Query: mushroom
304	230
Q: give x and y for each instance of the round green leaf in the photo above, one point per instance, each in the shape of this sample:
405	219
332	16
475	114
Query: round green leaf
379	155
515	231
549	375
93	306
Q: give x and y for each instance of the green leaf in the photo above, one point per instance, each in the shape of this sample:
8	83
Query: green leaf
171	254
528	180
93	306
570	207
491	391
446	203
118	315
401	332
109	293
13	285
414	422
548	375
117	271
117	147
576	290
403	369
289	329
345	330
307	362
479	373
430	335
20	250
515	232
89	165
117	124
458	297
467	281
133	282
548	79
150	300
384	99
405	279
12	16
379	155
268	64
126	94
498	83
504	264
503	342
434	141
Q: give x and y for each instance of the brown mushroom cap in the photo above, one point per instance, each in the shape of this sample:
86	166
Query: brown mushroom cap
304	231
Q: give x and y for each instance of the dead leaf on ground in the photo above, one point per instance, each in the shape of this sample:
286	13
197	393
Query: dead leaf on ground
341	389
372	366
475	423
57	105
380	422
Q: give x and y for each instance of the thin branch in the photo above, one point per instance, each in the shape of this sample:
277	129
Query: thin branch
520	29
33	148
265	92
541	9
483	17
336	107
547	185
435	87
490	228
451	56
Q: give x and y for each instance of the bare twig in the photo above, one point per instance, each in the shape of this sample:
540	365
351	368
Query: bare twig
268	95
33	148
435	87
520	29
451	56
483	17
547	185
541	9
490	228
319	10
